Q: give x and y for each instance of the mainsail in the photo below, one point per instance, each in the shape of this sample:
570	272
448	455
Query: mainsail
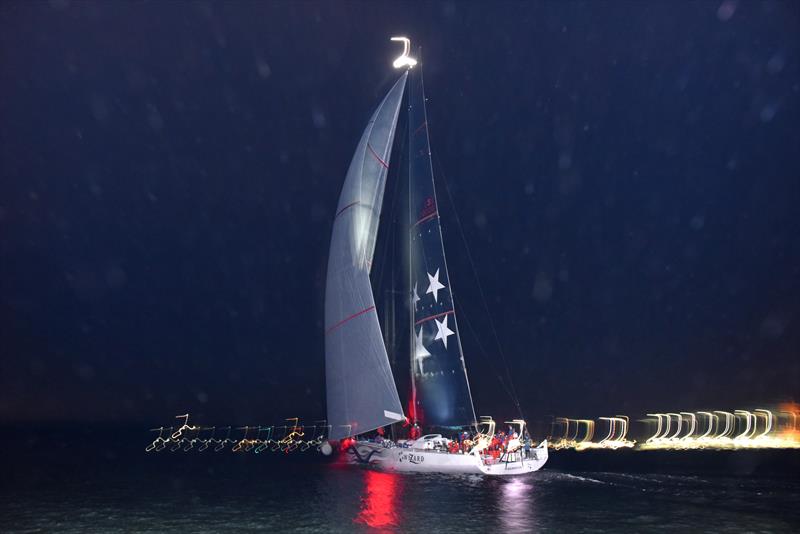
361	393
440	389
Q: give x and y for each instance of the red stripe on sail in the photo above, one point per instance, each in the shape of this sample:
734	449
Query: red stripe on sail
346	207
433	317
340	323
377	156
421	126
426	218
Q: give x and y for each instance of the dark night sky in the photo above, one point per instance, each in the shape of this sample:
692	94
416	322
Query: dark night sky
627	175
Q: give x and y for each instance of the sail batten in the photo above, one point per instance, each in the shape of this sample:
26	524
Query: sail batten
361	392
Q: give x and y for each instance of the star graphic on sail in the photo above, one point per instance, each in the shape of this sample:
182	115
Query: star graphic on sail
444	331
420	352
415	298
434	285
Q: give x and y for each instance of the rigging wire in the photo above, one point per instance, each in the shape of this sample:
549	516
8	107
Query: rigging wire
513	392
462	314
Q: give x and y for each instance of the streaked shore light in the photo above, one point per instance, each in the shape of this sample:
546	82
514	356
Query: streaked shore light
684	430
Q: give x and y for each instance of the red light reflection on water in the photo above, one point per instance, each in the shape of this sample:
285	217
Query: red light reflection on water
379	501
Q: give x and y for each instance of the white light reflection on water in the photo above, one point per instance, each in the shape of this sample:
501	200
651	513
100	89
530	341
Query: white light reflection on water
517	505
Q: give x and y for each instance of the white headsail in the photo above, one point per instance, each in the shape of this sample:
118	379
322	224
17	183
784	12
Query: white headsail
361	393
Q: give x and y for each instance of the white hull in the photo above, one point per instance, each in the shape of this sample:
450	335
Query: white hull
409	460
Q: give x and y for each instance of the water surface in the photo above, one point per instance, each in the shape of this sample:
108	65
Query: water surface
216	493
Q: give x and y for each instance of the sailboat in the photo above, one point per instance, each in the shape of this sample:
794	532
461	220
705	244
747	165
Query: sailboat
361	392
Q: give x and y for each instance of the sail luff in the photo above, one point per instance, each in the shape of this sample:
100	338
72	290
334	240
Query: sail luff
361	392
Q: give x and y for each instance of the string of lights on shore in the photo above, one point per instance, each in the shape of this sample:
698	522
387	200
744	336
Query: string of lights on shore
720	430
740	429
284	438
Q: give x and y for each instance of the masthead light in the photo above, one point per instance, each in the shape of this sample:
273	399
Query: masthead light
404	60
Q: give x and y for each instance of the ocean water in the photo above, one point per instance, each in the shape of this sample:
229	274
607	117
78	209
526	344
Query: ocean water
116	489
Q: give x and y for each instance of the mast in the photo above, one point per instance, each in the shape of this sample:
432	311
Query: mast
411	293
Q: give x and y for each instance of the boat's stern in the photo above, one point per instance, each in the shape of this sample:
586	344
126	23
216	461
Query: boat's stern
517	463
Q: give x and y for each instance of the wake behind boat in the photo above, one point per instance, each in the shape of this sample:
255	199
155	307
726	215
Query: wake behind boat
361	392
